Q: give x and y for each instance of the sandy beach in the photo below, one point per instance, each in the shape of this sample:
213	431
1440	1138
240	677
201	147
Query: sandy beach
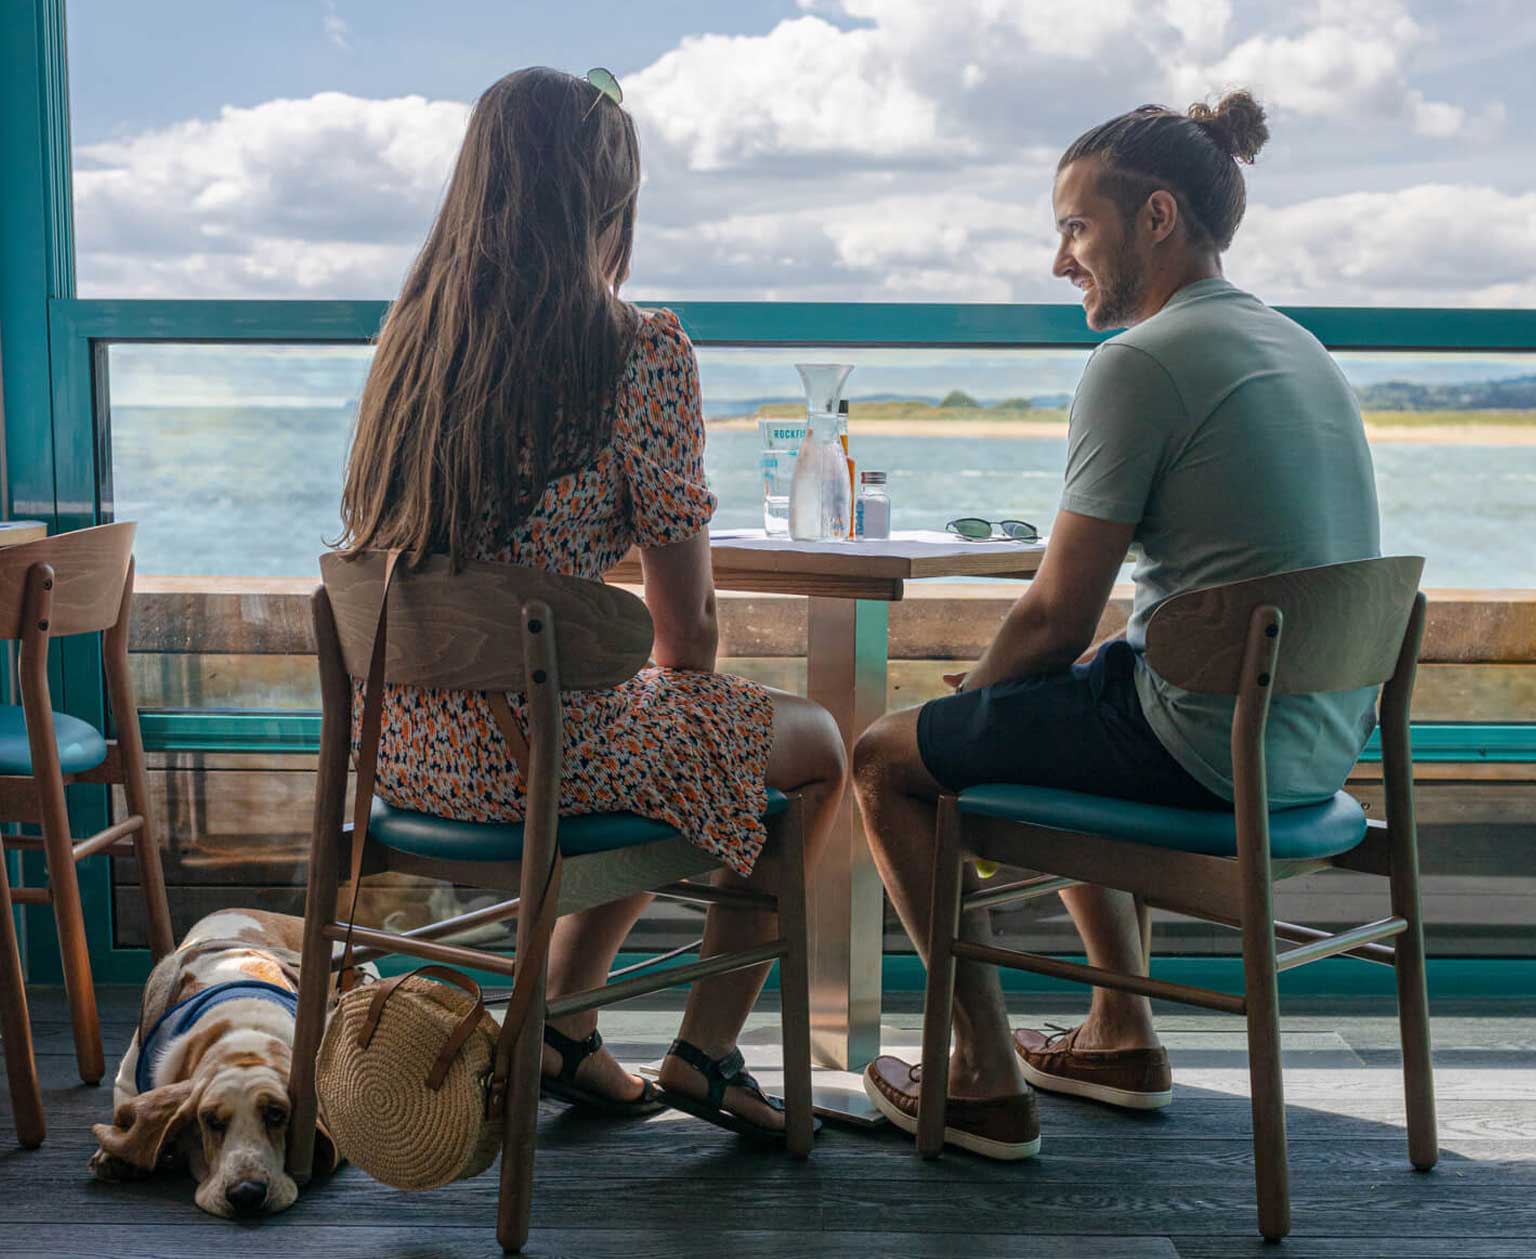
1408	434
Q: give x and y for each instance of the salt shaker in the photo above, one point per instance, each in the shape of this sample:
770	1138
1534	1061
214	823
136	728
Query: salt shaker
872	511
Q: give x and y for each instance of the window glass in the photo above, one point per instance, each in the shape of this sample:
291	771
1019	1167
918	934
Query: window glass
231	457
803	149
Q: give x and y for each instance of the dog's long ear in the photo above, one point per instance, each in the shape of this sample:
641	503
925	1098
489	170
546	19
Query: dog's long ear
142	1125
288	960
159	992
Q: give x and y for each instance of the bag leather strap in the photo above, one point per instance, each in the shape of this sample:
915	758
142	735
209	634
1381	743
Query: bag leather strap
387	988
367	761
529	964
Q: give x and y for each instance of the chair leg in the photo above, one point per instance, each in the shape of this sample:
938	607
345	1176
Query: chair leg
314	992
514	1204
1144	925
130	747
16	1029
794	981
146	850
939	995
69	916
1271	1173
1413	1002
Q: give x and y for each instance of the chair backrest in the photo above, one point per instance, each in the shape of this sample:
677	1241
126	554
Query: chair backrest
1342	627
460	631
90	567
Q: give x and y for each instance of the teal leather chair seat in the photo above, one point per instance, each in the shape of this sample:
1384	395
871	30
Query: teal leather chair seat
81	746
444	839
1310	830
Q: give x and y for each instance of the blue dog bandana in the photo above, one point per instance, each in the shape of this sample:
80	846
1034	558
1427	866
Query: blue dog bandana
183	1014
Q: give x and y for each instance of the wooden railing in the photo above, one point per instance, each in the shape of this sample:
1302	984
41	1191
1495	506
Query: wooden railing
940	621
237	823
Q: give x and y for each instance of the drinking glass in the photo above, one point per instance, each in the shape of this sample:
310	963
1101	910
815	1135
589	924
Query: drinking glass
780	443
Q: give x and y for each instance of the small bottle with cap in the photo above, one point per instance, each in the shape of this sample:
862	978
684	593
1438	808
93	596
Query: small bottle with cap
853	485
872	510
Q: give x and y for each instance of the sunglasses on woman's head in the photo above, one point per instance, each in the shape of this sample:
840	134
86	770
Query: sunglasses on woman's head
975	529
605	83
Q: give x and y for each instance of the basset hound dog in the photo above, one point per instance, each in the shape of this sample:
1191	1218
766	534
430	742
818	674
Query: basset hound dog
204	1083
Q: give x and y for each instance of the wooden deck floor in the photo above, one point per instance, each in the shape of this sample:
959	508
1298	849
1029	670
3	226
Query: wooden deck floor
1106	1185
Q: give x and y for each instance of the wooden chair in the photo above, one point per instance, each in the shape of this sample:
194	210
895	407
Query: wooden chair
456	631
15	1029
1333	628
74	583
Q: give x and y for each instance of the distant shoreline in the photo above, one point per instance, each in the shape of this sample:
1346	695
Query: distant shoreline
1516	434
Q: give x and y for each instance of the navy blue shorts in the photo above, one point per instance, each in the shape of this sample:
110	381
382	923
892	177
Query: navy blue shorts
1082	730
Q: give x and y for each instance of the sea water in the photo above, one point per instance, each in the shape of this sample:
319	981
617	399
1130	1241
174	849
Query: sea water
257	491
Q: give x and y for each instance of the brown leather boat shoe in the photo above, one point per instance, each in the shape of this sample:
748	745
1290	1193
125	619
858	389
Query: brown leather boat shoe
1138	1079
1005	1127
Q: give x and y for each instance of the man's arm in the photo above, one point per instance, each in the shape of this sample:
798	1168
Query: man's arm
1054	620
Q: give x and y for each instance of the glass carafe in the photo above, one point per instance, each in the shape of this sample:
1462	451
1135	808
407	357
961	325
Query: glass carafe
820	497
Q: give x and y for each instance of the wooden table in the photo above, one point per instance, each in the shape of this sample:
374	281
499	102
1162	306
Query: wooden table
15	532
850	587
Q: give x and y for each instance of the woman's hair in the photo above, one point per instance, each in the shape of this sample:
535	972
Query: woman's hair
1190	154
498	363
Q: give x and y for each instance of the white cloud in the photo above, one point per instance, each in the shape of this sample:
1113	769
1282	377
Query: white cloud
1429	245
904	154
326	196
805	88
1337	72
1202	23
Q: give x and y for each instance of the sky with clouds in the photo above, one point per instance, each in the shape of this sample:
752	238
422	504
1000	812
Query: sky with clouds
863	150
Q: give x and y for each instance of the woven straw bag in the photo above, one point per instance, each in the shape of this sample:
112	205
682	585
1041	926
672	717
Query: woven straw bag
411	1077
406	1079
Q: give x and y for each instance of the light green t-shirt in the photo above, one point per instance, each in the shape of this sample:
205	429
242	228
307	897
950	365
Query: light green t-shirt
1227	435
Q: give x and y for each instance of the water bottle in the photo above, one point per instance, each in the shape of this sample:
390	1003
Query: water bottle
820	502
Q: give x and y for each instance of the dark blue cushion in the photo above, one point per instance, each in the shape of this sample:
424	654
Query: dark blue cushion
1312	830
81	746
424	835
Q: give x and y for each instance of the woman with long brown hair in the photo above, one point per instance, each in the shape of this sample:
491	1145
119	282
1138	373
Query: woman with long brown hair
518	411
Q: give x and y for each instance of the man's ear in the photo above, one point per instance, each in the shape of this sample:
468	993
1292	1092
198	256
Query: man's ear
1161	215
143	1124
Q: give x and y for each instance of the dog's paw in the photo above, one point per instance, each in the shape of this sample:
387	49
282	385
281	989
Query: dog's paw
113	1170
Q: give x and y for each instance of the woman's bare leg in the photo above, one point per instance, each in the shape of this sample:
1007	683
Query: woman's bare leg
807	757
581	953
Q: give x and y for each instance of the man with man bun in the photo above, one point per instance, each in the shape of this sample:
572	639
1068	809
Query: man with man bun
1220	439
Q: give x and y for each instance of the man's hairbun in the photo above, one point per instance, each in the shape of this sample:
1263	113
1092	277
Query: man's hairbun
1235	122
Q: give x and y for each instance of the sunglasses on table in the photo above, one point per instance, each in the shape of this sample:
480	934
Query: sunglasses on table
975	529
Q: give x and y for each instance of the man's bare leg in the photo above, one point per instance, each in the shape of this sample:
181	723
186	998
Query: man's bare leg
1106	920
898	798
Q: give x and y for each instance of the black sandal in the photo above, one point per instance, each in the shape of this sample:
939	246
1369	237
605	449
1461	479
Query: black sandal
721	1074
563	1087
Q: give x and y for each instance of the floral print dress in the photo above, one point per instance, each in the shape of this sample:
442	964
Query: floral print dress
686	748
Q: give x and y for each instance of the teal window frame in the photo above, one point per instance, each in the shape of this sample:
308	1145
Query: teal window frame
56	394
80	331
